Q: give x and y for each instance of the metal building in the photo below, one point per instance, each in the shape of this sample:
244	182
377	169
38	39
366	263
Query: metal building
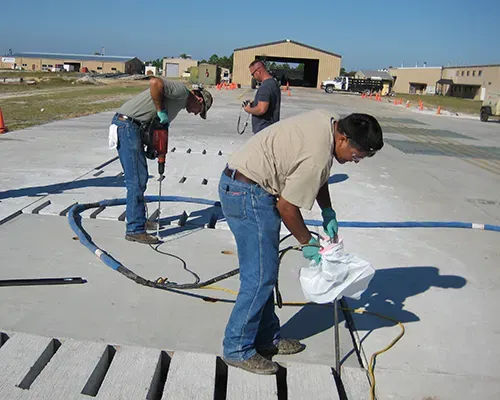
318	64
177	67
72	62
467	81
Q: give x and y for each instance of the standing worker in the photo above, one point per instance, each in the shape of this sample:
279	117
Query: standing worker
284	168
265	108
164	99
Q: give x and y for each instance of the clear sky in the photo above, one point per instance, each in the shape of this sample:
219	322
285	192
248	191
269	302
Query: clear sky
367	34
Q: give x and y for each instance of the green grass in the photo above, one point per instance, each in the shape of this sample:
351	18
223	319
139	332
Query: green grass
22	112
447	103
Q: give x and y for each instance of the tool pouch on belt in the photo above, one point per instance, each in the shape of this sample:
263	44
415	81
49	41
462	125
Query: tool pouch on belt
147	137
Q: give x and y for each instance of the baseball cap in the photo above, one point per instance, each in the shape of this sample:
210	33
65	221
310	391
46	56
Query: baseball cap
207	101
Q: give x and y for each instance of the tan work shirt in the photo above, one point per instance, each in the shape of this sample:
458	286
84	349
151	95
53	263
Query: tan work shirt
291	158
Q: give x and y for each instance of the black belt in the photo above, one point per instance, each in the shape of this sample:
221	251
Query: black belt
122	117
238	176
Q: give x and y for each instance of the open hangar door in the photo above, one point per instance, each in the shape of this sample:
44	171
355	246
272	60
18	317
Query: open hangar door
301	72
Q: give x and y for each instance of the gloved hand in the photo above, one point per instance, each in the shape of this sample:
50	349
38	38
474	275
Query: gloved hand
163	118
312	252
330	224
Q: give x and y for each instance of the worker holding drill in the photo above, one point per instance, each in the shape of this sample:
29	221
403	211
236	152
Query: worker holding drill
163	100
277	172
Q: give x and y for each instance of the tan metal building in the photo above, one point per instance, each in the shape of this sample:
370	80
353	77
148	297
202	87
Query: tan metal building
471	81
468	81
416	80
318	64
72	62
175	67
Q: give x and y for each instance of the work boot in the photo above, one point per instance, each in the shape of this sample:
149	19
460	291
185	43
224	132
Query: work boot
255	364
283	347
151	225
143	237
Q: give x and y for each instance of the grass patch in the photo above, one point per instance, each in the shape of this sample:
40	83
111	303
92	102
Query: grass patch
22	112
447	103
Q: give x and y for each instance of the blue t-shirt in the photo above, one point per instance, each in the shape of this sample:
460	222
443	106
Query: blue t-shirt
269	91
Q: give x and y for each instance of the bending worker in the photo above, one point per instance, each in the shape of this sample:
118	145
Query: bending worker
164	99
276	173
265	108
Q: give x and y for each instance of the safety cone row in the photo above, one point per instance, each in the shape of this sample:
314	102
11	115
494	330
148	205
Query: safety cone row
227	86
3	128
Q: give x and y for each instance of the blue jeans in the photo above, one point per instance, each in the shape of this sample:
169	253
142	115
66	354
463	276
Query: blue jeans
135	168
253	218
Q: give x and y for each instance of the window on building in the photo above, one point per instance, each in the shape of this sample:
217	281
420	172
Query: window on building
44	65
462	73
479	73
474	73
99	68
113	69
468	73
25	65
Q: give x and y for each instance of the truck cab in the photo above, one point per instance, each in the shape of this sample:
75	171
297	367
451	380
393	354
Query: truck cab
330	85
490	106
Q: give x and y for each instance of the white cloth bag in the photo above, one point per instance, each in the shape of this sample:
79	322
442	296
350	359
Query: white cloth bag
338	274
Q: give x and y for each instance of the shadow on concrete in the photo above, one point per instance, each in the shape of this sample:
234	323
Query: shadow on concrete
385	295
337	178
196	220
109	181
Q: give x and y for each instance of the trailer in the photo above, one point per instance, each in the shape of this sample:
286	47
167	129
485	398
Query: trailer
348	84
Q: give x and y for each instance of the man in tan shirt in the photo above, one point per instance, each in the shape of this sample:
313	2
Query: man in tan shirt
277	172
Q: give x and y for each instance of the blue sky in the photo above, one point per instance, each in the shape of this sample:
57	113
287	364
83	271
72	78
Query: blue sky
368	34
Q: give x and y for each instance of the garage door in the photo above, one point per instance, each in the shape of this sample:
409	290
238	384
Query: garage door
172	70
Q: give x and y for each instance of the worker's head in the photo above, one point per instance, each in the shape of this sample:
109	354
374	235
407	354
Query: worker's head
199	102
258	70
357	136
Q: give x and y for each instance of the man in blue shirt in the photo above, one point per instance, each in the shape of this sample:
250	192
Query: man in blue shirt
265	108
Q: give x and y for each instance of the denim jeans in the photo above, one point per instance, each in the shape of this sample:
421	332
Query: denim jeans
135	168
255	222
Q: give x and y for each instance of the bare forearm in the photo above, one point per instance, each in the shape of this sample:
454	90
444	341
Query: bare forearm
323	197
156	88
292	218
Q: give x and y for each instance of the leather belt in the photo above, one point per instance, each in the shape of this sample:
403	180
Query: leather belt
122	117
238	176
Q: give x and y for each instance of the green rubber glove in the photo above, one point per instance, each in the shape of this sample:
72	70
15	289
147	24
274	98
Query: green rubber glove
163	118
330	224
312	252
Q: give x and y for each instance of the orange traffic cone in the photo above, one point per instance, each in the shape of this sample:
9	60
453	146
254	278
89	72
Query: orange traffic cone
421	105
438	112
3	128
289	92
407	104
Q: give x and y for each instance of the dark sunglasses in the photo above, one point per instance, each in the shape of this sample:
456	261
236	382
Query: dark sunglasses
252	73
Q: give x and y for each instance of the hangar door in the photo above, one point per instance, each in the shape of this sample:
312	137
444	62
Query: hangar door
172	70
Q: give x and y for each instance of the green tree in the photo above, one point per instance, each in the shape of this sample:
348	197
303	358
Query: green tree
158	63
183	55
342	72
300	67
214	59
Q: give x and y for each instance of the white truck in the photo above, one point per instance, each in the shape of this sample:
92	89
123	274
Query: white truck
348	84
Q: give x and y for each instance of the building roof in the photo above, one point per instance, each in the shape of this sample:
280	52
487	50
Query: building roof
474	66
66	56
288	41
373	74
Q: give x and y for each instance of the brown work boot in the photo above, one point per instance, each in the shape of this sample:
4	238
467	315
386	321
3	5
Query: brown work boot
143	237
151	225
255	364
283	347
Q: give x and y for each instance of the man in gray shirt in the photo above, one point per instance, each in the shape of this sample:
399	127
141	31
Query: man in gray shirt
265	108
164	99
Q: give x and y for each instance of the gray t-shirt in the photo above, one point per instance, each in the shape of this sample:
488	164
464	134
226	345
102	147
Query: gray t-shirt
142	108
268	91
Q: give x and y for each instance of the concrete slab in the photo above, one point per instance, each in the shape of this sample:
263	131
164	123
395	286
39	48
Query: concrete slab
423	278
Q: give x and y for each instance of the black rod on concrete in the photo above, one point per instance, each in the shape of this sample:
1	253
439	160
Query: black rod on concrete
42	281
